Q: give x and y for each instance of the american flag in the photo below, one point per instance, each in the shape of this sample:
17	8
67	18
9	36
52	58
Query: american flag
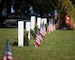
51	25
42	30
37	39
41	37
7	52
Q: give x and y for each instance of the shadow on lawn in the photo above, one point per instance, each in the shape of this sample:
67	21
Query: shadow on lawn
15	43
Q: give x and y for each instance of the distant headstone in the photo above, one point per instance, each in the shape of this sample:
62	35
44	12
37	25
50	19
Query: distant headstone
52	27
44	20
28	29
20	33
38	22
33	19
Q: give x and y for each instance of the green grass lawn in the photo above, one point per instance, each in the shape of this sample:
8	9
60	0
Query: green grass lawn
58	45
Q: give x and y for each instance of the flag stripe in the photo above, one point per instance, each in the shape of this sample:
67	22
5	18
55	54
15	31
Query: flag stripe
7	53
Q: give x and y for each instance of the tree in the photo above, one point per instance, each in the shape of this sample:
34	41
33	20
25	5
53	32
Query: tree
41	6
64	6
73	2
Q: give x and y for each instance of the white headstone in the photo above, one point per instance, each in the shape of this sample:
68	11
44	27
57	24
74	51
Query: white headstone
20	33
44	20
28	29
38	22
51	20
52	27
33	19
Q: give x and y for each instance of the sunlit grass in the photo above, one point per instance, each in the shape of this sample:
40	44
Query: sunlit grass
57	45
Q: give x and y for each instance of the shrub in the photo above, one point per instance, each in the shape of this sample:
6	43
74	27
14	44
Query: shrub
33	33
35	29
46	25
25	32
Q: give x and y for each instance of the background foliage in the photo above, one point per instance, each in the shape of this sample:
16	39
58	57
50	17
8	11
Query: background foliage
21	8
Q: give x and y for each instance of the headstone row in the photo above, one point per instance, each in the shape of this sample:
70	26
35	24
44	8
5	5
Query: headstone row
29	25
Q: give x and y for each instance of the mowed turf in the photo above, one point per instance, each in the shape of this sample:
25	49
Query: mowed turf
57	45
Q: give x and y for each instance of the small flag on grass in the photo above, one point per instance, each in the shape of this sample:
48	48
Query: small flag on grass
37	39
42	30
7	52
